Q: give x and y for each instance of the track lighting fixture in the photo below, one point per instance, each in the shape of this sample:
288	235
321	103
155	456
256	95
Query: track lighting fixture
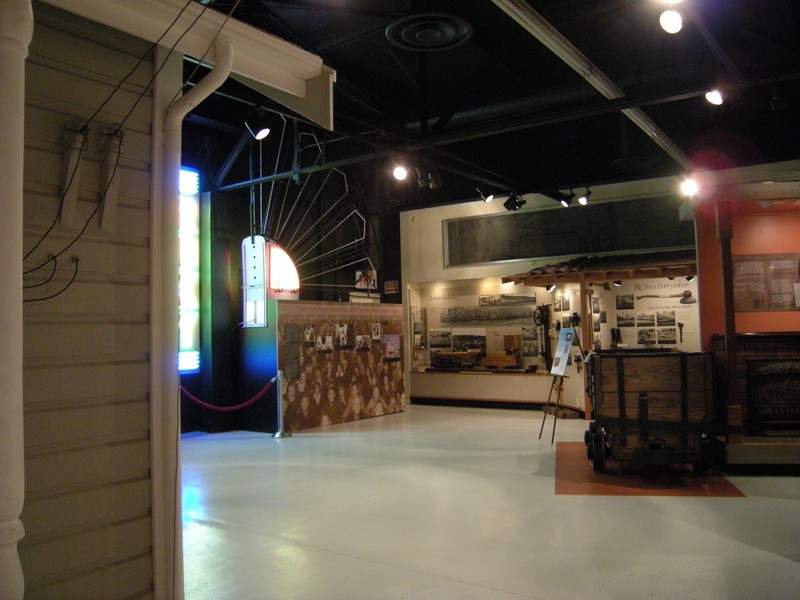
257	127
486	199
566	201
583	199
550	287
618	283
689	277
514	203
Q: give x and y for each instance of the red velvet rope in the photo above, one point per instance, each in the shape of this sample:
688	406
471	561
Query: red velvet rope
228	408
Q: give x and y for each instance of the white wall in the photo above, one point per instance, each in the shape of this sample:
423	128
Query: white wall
88	502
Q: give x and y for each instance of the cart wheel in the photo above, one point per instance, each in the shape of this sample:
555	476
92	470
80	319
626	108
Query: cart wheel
599	452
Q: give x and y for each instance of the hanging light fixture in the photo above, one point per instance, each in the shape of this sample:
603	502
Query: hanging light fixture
258	127
566	202
618	283
583	199
514	203
486	199
550	287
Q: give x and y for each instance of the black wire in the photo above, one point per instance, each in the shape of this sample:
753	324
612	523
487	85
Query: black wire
141	60
89	220
46	281
76	260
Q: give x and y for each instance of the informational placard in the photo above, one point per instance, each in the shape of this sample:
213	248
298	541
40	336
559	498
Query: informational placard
766	282
563	349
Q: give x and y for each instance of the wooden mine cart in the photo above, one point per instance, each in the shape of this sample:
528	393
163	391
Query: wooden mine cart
650	407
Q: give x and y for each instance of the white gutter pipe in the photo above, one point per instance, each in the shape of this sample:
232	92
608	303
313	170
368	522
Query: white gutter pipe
16	32
552	39
165	409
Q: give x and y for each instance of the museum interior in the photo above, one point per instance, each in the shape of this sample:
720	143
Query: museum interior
400	299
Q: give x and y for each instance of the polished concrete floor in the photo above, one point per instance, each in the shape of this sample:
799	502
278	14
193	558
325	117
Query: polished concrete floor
459	503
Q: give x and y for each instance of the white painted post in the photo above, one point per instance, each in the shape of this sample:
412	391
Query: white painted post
16	31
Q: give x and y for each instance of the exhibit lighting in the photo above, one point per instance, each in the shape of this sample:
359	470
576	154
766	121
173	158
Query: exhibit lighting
689	187
566	201
400	173
257	128
486	199
583	200
689	277
714	97
550	287
618	283
189	272
671	21
283	275
513	203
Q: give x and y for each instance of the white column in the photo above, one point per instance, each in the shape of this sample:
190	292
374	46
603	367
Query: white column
16	30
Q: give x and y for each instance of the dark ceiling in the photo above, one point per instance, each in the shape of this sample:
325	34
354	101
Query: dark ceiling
465	91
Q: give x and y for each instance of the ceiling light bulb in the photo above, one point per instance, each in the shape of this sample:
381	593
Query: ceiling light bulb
671	21
400	173
714	97
689	187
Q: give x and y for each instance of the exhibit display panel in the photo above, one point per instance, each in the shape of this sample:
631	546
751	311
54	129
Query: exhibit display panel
340	362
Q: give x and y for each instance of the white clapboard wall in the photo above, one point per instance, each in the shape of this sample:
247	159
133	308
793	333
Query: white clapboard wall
87	513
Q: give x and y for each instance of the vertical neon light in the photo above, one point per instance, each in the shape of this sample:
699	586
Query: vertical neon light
189	272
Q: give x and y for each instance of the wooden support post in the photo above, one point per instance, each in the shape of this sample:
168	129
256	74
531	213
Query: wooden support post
724	226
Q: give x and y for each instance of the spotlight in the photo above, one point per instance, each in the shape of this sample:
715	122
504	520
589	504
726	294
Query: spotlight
583	200
714	97
566	201
513	203
257	126
617	283
671	21
689	187
400	173
550	287
486	199
689	277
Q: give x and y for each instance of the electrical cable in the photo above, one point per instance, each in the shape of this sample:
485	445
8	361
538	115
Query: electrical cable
46	281
245	404
76	260
91	216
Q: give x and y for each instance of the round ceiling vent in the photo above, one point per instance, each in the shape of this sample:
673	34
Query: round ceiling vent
430	32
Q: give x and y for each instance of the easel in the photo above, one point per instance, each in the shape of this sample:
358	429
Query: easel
558	385
563	353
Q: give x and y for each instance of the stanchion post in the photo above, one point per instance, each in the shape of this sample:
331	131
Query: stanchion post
280	433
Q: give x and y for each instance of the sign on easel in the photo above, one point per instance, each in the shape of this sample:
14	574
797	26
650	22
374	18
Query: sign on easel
562	353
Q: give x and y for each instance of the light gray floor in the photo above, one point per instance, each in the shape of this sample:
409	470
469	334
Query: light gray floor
452	503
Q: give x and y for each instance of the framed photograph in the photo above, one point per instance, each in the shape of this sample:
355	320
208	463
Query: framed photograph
645	319
596	323
324	344
375	330
646	336
390	347
366	280
469	338
506	299
666	318
565	304
595	304
528	332
626	318
309	335
440	338
363	343
624	301
667	335
343	333
603	316
530	348
557	302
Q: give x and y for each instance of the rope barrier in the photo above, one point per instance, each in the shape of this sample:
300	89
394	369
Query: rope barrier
255	398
